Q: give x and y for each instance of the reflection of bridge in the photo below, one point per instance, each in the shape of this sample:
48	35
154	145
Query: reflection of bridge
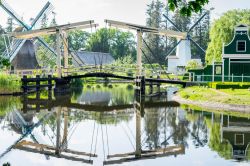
60	108
49	104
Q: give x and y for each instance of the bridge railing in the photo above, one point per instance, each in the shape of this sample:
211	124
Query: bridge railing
119	70
113	69
32	72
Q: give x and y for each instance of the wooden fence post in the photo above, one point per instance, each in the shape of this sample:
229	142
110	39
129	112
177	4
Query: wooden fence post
24	84
49	82
37	82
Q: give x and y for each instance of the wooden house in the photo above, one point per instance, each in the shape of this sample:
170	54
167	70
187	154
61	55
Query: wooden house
235	65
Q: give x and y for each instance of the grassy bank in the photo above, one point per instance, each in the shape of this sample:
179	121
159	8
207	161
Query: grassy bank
9	83
226	96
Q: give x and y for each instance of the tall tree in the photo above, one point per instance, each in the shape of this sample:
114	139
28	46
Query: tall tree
154	15
77	39
10	25
201	35
222	31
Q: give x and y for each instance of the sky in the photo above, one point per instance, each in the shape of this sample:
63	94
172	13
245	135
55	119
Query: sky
132	11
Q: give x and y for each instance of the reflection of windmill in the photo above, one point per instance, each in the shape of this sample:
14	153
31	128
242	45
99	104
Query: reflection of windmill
183	52
60	150
16	45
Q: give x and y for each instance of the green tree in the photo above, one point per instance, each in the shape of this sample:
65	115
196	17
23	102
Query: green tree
116	42
187	8
154	14
222	31
193	64
77	39
200	34
100	40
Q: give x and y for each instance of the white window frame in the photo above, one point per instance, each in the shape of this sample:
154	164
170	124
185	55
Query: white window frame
237	49
235	137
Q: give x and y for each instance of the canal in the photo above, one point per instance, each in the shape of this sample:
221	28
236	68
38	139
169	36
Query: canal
109	125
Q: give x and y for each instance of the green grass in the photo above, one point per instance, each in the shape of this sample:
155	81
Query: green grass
9	83
227	96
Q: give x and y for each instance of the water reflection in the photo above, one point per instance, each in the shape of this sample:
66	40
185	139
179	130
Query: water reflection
236	131
112	126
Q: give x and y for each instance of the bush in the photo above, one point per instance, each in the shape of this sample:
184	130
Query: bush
9	83
228	85
129	87
110	86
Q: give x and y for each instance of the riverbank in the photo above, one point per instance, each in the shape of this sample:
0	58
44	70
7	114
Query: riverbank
227	99
9	84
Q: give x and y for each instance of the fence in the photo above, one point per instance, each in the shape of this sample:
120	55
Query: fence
220	78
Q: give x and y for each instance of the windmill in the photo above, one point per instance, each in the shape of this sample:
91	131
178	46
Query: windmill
183	47
61	37
15	46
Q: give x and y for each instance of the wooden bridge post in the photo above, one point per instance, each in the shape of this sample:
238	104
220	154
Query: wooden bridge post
58	131
49	82
151	86
140	85
24	84
37	104
58	52
37	83
25	105
158	84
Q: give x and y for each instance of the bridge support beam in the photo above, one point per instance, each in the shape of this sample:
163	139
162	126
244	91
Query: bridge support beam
58	52
140	85
62	86
140	78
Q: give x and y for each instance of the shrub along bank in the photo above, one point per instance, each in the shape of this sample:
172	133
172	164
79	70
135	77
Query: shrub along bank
9	83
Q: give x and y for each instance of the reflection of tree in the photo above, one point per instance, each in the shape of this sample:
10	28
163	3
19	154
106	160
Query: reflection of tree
164	124
152	125
224	149
199	131
179	129
7	104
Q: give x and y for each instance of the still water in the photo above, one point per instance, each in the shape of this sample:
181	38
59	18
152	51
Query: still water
108	125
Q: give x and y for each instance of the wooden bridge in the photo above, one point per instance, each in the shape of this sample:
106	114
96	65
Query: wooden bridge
150	77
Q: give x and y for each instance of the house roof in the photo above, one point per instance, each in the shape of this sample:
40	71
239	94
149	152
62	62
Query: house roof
241	34
94	58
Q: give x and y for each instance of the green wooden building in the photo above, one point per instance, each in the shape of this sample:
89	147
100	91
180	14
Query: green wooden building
235	65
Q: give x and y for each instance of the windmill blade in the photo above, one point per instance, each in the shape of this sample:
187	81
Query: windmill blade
172	23
13	14
16	49
170	52
48	8
197	22
197	45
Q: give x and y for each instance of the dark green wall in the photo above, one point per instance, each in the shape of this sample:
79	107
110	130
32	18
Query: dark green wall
231	49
